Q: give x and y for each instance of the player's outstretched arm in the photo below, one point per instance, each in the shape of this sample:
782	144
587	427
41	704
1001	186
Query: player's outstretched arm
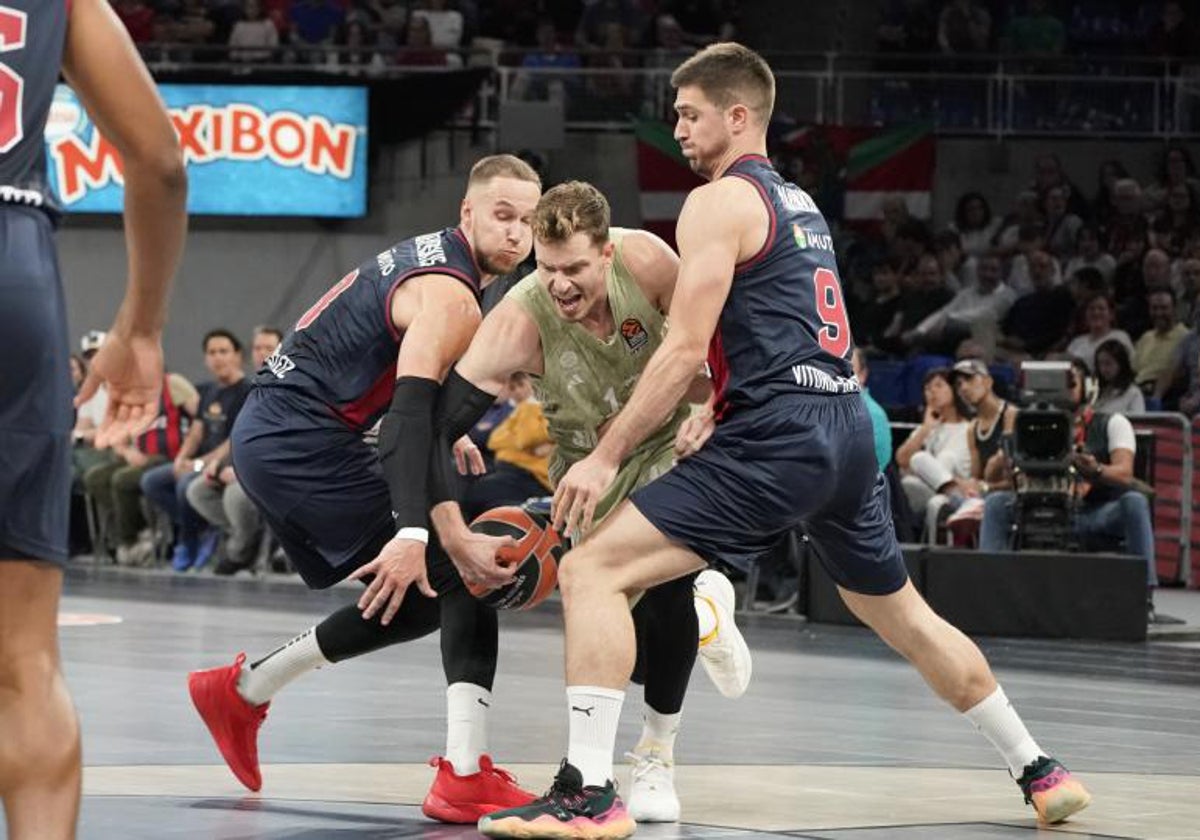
103	67
507	342
710	233
437	315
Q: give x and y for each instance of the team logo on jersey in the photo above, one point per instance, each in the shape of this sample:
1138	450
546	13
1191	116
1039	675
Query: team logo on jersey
806	239
279	364
634	334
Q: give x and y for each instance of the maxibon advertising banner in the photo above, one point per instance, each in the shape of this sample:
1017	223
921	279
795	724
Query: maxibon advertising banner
250	150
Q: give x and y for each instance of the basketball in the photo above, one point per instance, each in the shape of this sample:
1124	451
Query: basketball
535	555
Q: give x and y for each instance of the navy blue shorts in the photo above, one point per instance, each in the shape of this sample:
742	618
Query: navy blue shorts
36	416
800	461
320	489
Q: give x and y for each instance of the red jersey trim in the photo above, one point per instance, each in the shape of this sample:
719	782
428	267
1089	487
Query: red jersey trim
770	240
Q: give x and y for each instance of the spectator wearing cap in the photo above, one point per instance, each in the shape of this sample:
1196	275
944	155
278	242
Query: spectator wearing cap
994	418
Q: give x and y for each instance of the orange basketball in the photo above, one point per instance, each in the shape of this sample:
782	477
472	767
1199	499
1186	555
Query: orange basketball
536	555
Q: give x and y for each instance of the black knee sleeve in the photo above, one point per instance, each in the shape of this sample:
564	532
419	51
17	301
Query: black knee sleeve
345	634
668	634
470	638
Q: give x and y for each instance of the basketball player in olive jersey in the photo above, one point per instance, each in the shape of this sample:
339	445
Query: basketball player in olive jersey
39	733
758	295
584	324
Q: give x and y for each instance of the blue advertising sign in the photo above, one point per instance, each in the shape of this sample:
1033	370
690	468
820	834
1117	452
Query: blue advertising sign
250	150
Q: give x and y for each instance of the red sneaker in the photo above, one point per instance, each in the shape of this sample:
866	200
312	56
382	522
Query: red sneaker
464	799
232	721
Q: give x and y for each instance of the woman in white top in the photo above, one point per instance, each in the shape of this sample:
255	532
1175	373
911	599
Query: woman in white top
1114	372
254	30
1098	317
937	454
975	225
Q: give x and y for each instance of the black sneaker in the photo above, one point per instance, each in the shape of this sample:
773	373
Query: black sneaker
1052	791
568	810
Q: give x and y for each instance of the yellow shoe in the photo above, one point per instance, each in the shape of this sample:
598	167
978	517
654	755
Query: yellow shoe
1052	791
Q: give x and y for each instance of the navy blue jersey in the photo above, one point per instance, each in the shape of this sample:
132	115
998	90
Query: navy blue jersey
32	35
341	355
784	328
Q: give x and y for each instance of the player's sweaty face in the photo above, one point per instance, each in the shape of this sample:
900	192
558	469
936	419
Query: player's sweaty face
497	217
574	274
700	129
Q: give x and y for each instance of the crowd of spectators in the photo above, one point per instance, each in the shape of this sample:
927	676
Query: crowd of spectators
1112	278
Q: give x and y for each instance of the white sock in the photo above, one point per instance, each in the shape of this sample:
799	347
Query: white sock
261	681
467	708
706	616
658	735
594	713
996	719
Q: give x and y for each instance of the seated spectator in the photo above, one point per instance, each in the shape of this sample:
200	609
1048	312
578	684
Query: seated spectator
1099	317
1132	287
115	486
1026	213
1030	240
1177	222
521	445
936	457
418	50
974	223
1175	169
908	26
202	451
975	312
964	27
89	415
957	264
1038	322
1089	255
265	341
1173	35
994	419
1189	403
1109	507
1189	287
1062	226
701	21
139	18
1155	350
192	24
925	295
1126	221
874	320
549	55
594	29
314	23
1114	375
881	428
356	54
1104	206
255	29
1085	284
222	502
445	24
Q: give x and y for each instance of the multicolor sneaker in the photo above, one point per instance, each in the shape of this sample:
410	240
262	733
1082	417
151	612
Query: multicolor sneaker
232	721
652	796
464	799
723	652
1052	791
567	811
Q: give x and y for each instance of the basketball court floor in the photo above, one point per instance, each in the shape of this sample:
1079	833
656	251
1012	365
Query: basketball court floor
836	738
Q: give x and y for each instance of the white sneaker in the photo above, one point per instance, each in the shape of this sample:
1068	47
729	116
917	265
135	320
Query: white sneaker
652	792
725	656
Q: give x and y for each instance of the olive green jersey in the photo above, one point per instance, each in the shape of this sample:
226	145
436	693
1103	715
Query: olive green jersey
586	380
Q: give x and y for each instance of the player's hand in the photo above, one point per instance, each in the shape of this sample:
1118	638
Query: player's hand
578	493
476	556
467	457
693	432
131	366
399	564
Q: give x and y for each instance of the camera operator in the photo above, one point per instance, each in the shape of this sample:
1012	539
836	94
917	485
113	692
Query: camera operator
1108	504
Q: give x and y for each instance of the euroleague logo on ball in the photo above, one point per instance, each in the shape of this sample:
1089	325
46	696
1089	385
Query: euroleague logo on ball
634	334
536	554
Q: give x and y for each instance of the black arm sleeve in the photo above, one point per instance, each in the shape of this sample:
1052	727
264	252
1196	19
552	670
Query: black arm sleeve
405	442
460	406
